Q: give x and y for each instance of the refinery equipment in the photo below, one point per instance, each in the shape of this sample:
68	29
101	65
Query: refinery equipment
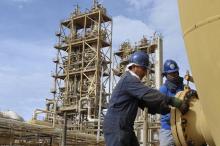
82	74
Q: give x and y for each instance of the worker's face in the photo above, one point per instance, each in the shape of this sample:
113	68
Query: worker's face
173	75
140	71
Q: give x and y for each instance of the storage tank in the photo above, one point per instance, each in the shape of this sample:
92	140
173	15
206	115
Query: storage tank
200	22
11	115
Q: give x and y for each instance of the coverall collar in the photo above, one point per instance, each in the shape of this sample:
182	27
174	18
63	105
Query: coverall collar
131	72
134	74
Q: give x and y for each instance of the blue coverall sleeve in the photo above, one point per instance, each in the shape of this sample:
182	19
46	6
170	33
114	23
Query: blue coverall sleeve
163	90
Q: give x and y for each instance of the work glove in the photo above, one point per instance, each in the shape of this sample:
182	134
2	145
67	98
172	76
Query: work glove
164	108
175	102
191	93
182	105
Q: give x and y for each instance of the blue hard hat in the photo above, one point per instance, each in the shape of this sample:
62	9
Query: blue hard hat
170	66
140	58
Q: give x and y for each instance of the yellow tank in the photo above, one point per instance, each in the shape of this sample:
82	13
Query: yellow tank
200	21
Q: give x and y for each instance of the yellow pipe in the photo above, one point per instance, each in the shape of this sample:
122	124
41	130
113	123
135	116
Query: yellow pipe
191	128
201	27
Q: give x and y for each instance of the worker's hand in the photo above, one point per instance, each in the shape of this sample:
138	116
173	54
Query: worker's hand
184	107
175	102
191	93
164	108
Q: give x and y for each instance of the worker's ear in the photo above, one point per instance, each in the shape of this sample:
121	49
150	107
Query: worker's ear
131	67
163	74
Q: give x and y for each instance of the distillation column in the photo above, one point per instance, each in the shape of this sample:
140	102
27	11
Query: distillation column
83	78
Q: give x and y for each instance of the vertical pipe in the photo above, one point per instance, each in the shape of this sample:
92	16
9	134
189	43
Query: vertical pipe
94	3
11	137
64	130
111	66
54	114
100	108
145	127
98	63
149	130
159	62
51	141
158	74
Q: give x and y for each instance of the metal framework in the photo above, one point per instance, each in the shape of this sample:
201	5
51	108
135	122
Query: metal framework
81	86
146	126
82	74
35	133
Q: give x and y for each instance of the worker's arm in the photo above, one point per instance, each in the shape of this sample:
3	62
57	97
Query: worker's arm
155	101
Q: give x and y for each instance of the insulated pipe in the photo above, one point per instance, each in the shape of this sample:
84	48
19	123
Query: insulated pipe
50	101
159	62
90	119
145	127
80	102
100	109
200	25
39	111
64	132
53	102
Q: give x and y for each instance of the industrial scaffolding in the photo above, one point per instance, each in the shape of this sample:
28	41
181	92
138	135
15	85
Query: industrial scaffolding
146	126
83	70
81	88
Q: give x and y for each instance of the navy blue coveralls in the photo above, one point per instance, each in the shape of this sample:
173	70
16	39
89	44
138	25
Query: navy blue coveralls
129	94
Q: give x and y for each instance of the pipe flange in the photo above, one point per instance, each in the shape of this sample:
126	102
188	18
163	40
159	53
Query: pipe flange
186	129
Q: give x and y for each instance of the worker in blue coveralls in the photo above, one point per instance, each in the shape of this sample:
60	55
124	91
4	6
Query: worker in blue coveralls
129	94
172	85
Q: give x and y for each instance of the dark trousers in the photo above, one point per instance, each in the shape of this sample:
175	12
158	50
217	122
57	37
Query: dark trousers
119	137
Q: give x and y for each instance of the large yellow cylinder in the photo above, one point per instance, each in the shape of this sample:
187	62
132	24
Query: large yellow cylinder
200	21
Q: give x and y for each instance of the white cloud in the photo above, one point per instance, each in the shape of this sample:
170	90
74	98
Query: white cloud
33	50
139	4
164	16
25	79
23	93
20	4
129	29
21	1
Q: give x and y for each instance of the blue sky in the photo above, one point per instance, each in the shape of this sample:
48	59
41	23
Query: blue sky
27	37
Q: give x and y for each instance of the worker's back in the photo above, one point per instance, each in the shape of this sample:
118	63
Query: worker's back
122	105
